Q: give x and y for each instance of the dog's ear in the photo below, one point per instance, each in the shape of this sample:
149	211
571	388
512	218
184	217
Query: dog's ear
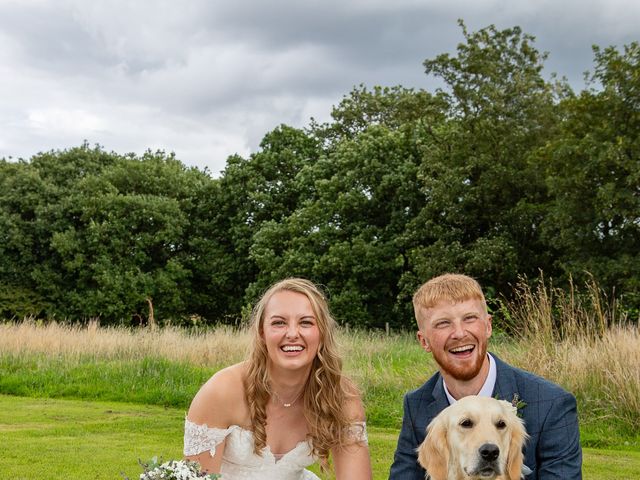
515	457
433	454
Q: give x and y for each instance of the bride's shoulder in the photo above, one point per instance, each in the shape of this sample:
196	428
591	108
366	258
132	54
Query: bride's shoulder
230	378
221	401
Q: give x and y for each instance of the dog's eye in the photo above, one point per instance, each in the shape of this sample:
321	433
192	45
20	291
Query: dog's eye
501	424
466	423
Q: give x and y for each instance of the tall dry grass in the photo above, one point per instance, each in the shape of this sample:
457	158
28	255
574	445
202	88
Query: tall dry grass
220	346
550	314
370	356
583	341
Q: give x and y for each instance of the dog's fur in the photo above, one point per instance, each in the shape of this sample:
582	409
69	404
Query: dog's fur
461	433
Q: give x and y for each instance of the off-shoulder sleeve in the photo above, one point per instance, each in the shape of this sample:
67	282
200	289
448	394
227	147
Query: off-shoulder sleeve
201	438
358	432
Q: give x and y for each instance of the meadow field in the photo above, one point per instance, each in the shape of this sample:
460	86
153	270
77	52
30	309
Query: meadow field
86	402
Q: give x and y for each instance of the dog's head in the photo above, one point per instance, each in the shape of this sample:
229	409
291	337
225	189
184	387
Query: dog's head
477	438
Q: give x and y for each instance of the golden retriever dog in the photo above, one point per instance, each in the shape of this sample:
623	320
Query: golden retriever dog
475	438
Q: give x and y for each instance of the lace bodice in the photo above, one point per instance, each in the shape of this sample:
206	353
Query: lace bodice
239	462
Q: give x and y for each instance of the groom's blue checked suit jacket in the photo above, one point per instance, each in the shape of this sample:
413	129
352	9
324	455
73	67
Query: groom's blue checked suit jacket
553	450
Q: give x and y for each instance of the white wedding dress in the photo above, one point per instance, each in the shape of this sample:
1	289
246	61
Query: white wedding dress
239	462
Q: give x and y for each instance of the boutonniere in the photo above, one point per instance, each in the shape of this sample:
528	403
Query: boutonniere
516	403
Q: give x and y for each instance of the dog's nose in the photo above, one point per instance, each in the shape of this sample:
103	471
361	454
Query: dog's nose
489	452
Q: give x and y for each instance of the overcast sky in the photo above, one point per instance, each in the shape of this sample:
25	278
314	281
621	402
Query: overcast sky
208	78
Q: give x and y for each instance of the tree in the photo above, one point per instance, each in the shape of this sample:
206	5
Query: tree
126	248
34	205
349	234
391	107
230	211
94	234
483	189
594	177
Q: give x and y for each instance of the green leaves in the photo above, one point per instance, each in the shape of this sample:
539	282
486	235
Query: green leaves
499	174
98	235
592	176
345	235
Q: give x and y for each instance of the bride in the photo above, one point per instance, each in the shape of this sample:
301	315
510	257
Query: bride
288	405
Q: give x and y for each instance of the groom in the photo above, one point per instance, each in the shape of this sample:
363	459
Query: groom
454	326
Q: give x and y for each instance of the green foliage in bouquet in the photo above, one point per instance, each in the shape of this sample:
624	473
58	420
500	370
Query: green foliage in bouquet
173	470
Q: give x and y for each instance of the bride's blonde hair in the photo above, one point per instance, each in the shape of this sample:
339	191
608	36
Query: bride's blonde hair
326	390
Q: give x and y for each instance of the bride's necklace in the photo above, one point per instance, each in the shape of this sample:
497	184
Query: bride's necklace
288	404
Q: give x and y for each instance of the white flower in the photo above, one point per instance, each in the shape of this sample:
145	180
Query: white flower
174	470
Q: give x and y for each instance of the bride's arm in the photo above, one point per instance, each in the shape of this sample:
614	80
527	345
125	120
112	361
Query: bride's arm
213	410
353	462
208	463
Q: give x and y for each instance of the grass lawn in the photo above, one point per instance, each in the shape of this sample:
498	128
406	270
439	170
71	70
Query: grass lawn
77	439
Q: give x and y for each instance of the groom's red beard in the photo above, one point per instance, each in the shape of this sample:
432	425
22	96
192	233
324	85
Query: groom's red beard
465	370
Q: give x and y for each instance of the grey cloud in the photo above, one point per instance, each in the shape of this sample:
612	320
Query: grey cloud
203	76
50	39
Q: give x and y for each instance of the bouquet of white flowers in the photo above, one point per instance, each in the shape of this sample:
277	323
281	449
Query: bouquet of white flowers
174	470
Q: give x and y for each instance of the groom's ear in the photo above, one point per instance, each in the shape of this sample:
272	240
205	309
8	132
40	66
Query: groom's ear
424	342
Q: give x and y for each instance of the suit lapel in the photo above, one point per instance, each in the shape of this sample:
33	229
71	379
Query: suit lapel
506	387
433	402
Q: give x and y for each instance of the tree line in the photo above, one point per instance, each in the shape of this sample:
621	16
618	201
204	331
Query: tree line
500	174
